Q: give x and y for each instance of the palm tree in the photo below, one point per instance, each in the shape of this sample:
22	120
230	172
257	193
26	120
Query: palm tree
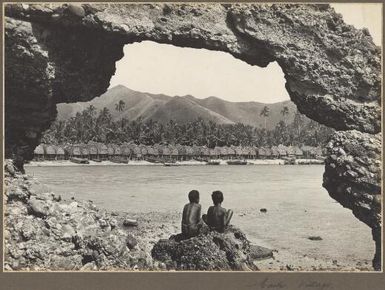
120	106
285	111
265	113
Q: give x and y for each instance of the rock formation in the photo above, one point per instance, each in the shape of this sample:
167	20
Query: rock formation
210	251
43	233
67	53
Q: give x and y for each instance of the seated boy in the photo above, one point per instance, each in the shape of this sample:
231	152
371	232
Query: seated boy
191	215
217	217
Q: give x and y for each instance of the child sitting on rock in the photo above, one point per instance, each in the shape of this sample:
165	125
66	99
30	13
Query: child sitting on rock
218	218
191	216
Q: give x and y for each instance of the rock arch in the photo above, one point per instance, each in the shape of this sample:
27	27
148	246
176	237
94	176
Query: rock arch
67	53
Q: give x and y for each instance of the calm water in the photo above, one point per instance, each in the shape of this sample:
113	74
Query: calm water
297	204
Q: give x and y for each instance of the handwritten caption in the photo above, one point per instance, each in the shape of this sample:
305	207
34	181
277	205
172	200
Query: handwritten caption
273	284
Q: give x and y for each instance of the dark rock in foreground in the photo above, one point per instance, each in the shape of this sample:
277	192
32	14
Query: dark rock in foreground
210	251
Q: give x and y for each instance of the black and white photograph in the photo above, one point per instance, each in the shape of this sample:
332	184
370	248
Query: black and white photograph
173	137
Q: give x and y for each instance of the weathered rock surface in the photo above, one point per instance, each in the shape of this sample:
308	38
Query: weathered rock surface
67	53
353	178
43	233
210	251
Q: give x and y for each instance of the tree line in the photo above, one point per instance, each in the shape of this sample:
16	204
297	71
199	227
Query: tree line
99	126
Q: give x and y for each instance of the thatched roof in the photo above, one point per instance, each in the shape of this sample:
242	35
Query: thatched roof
173	151
230	151
143	150
282	150
290	150
103	149
117	150
205	151
252	151
275	151
50	149
165	150
181	149
212	152
297	151
126	151
223	151
85	150
39	150
92	149
267	152
60	150
189	150
238	150
76	150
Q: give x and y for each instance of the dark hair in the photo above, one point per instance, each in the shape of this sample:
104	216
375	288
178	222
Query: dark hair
193	196
217	197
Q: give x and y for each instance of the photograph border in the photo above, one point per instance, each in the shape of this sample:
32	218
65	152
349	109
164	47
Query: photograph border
127	279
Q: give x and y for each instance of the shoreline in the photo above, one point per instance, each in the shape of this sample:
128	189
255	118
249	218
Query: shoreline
222	162
50	238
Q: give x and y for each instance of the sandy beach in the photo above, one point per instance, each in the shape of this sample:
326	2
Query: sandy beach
177	163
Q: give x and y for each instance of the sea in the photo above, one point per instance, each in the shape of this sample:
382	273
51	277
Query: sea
277	206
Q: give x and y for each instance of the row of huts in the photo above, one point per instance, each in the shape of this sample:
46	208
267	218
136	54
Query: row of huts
131	151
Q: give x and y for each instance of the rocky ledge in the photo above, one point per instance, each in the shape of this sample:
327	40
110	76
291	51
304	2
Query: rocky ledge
211	250
43	232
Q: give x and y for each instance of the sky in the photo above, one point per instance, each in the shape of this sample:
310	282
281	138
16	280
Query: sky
160	68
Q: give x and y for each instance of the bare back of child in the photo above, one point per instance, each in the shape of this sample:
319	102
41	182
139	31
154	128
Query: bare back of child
191	215
218	218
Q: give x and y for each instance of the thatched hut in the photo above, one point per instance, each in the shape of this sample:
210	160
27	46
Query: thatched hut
60	153
50	152
189	152
282	150
252	153
267	153
85	151
126	151
93	151
213	153
117	150
261	152
76	151
110	151
166	152
38	153
173	152
102	151
182	153
223	152
197	151
231	152
274	152
205	152
245	152
238	151
150	151
143	151
307	151
290	151
298	152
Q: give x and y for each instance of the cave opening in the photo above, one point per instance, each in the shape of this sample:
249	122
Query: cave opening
310	74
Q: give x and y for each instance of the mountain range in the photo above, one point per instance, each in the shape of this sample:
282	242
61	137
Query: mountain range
162	108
